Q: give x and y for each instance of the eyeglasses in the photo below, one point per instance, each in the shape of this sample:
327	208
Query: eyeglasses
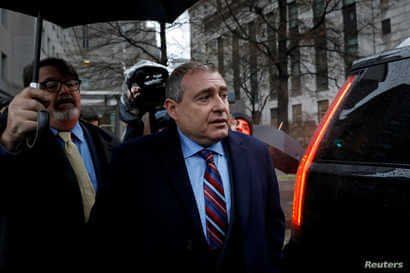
54	86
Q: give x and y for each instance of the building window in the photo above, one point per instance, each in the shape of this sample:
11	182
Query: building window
322	80
274	117
85	37
297	113
253	63
3	66
295	54
273	75
320	40
386	26
348	2
350	33
3	17
318	8
218	5
235	67
221	54
211	51
48	46
322	107
274	83
295	72
384	4
293	15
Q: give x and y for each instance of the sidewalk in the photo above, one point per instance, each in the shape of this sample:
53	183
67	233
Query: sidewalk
286	185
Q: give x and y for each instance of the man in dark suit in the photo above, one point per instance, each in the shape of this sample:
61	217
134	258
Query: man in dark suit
44	209
195	197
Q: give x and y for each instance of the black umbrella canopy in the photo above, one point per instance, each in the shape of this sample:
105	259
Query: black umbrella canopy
75	13
284	150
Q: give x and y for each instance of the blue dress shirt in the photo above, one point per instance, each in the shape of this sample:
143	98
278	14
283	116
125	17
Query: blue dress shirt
196	166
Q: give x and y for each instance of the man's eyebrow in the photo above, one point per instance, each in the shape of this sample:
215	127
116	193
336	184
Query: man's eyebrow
211	89
50	79
204	91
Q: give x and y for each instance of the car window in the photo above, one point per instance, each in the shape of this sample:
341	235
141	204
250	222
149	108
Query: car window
373	123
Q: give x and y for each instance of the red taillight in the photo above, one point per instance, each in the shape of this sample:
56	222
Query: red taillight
307	159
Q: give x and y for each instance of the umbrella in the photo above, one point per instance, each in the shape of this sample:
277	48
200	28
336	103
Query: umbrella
284	150
77	13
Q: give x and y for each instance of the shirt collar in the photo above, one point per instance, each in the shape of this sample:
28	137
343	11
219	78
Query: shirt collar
191	148
77	131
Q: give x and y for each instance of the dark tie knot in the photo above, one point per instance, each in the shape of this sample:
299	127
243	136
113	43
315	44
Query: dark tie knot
208	155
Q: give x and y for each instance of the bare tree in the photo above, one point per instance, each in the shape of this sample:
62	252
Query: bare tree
105	50
298	40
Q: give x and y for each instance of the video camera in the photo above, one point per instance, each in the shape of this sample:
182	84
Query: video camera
151	78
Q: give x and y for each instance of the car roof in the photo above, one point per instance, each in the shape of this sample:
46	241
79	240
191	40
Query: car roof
400	52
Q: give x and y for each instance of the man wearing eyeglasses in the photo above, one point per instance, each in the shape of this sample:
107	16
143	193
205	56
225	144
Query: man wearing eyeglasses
47	192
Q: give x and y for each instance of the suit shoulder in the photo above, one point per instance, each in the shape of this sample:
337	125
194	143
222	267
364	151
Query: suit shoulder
106	135
249	141
143	144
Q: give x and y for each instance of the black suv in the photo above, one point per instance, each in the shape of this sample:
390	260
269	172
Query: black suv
352	193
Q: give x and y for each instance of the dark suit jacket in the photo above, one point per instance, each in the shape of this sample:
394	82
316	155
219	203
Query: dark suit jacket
147	217
41	216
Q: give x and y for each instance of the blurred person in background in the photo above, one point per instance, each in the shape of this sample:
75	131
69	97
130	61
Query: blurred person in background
241	123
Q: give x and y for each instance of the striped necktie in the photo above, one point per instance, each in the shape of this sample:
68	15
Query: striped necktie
77	163
215	204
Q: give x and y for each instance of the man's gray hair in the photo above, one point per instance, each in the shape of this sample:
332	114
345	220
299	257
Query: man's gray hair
174	88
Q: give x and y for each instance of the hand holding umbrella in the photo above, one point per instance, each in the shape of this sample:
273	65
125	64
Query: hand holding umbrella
23	117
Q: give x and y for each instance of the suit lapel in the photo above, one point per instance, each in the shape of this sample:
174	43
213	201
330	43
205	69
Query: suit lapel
240	174
174	164
100	149
61	165
91	142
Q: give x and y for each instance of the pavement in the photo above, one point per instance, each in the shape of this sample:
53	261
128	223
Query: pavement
286	185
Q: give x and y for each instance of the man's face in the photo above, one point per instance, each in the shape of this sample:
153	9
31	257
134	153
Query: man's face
64	107
243	126
203	112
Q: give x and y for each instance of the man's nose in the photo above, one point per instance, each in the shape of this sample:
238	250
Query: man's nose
64	89
220	104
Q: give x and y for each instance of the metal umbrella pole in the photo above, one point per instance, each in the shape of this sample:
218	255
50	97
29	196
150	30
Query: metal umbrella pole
43	118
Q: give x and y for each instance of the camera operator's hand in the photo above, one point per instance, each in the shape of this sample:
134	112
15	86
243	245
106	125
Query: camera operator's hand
129	111
22	116
134	93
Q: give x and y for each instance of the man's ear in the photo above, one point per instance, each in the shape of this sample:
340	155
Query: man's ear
171	106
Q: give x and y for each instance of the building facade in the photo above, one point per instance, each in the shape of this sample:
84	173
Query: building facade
247	40
97	52
17	46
